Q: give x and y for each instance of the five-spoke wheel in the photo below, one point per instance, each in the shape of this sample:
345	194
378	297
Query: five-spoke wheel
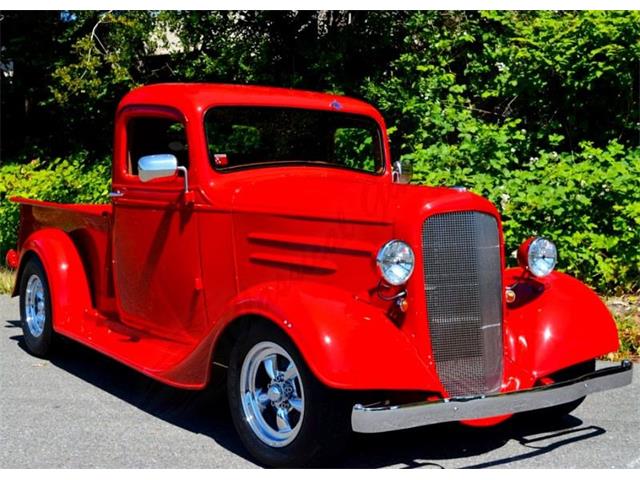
285	417
272	394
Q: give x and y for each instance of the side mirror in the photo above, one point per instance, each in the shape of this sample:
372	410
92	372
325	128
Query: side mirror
402	171
157	166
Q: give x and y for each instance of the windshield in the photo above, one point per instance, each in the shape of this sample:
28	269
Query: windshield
254	136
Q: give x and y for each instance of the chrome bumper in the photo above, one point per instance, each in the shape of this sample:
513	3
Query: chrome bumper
373	419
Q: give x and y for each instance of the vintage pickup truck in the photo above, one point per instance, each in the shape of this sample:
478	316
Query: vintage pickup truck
268	232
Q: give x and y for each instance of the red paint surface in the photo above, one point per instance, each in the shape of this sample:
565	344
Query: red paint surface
153	279
12	259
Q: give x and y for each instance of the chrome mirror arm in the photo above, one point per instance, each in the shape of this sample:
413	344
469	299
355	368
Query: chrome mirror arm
186	177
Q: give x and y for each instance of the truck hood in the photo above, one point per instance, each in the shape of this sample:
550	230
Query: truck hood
342	196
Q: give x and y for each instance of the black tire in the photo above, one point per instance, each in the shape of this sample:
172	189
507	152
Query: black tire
36	344
325	425
552	414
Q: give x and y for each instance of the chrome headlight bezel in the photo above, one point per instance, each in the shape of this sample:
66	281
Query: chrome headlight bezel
396	262
539	256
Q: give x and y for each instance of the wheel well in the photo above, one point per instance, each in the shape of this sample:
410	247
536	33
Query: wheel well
25	259
235	330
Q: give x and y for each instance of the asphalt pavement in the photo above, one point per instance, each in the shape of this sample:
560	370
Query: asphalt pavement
80	409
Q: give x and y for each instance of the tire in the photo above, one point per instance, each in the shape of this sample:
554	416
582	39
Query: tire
35	309
557	412
269	388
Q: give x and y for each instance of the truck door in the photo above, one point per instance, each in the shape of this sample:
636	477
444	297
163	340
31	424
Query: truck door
155	238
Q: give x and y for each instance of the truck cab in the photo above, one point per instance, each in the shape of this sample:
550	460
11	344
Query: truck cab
267	231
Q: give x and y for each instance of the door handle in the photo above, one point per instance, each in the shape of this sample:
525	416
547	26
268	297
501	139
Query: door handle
116	194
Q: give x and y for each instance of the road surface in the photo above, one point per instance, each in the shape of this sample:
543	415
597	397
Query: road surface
80	409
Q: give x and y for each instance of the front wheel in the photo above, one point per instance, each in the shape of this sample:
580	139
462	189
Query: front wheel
284	416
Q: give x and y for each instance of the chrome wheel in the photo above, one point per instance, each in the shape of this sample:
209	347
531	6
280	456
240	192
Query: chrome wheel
35	309
272	395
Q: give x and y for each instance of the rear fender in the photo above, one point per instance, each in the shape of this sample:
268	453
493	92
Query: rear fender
70	295
347	343
556	322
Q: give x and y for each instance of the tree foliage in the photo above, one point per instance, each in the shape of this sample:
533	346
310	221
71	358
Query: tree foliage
539	111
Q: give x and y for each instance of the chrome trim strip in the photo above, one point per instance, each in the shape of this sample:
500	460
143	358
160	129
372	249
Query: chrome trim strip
373	419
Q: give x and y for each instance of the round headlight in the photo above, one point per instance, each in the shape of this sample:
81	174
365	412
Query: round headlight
395	261
540	256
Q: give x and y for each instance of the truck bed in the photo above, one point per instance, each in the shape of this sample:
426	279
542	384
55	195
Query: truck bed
88	225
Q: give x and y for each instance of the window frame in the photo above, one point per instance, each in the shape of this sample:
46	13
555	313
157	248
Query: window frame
122	177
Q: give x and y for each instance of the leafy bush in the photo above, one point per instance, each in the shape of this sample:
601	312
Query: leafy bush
589	203
65	181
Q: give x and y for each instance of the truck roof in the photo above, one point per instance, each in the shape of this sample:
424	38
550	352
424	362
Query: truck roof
202	96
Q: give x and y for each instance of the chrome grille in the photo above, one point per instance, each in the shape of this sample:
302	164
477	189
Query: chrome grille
463	283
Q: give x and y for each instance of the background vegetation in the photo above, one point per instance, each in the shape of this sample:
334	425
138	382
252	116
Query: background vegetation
539	111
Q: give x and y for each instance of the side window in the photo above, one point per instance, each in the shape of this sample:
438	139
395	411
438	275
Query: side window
153	136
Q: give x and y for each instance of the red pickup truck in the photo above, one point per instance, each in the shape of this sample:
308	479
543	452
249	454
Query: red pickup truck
267	231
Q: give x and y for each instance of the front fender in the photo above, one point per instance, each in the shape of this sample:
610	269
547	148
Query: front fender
70	295
555	323
347	343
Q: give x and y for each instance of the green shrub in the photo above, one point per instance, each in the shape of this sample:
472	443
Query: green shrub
589	203
65	181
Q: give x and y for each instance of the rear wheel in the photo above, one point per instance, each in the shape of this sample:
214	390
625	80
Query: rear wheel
284	416
35	308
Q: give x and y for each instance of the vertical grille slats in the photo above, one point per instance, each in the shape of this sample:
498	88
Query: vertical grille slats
463	284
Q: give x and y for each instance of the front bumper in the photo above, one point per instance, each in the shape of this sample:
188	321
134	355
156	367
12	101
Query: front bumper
374	419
